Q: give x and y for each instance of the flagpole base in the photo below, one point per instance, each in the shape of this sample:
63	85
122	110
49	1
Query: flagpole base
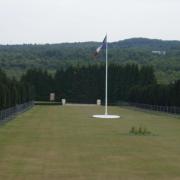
106	116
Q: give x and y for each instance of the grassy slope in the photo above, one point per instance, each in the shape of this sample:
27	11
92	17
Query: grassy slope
55	142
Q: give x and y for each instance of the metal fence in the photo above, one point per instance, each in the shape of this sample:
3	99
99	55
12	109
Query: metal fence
13	111
168	109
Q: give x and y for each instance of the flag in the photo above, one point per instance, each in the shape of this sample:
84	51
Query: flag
102	46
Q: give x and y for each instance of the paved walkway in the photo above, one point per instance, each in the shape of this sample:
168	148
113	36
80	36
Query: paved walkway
75	104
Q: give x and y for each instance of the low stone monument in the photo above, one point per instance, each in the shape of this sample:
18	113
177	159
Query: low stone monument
63	101
98	102
52	97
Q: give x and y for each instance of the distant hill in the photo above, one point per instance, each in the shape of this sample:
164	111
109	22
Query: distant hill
147	43
16	59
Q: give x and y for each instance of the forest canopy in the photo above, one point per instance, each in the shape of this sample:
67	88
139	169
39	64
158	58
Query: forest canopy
164	56
86	84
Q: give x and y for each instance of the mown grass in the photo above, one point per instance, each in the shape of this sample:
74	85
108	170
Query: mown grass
64	142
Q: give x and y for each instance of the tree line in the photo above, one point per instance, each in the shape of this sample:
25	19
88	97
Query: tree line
156	94
86	84
52	56
13	92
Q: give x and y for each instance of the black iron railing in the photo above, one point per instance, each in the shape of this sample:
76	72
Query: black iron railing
167	109
13	111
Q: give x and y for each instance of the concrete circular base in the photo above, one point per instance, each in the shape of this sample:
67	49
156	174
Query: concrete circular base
106	116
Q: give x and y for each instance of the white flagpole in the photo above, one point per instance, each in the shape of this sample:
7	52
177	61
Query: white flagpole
106	116
106	88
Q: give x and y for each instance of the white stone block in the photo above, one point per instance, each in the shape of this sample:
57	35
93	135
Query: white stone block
52	97
63	101
98	102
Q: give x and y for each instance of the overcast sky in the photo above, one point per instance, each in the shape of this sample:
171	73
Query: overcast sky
55	21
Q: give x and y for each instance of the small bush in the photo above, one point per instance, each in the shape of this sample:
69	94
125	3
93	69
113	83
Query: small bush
139	131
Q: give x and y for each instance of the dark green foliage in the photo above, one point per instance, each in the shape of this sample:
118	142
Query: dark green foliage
51	57
155	94
87	83
175	93
41	81
13	92
139	131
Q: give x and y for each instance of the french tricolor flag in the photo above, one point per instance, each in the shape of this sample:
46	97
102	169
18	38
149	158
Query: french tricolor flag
102	46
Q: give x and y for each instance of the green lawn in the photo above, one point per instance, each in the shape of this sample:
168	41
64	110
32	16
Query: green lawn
55	142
